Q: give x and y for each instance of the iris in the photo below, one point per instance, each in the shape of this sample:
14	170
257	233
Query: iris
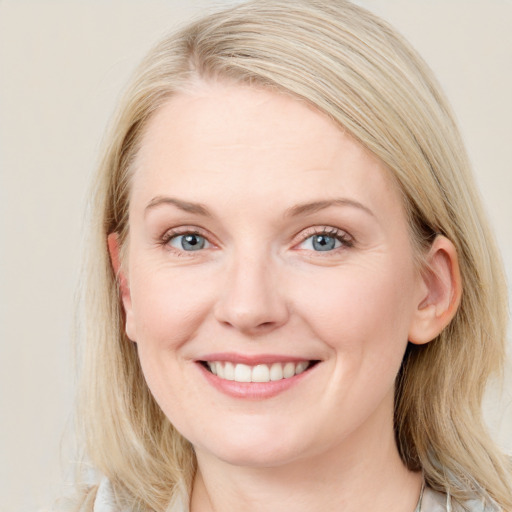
323	243
189	242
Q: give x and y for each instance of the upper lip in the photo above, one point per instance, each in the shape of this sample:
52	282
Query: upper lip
253	359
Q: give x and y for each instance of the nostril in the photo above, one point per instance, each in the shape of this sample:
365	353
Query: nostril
247	310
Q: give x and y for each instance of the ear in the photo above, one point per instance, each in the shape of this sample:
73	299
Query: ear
440	292
124	288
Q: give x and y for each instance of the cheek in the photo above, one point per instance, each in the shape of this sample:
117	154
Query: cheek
169	304
359	307
363	315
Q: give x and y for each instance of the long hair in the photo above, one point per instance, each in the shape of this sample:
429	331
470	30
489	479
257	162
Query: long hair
349	64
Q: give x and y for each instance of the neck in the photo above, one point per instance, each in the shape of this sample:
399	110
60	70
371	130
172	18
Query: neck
351	477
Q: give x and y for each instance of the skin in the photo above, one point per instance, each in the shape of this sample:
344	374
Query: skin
249	156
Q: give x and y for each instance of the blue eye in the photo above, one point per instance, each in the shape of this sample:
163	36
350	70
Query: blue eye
326	241
322	242
189	242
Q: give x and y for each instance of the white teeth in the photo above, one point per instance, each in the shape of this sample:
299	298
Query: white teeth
288	370
301	367
229	371
243	373
259	373
276	371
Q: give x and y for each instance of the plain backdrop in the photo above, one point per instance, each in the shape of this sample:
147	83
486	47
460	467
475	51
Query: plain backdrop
62	67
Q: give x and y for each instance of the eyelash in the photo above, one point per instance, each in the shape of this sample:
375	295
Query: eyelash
168	236
341	236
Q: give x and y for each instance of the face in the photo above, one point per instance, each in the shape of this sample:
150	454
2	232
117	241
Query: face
270	279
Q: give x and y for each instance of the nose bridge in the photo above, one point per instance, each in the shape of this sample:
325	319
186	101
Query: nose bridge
251	299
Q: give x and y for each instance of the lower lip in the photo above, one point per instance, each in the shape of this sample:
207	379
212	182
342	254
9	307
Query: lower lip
253	390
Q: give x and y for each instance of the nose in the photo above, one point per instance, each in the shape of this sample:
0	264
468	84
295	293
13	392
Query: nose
252	299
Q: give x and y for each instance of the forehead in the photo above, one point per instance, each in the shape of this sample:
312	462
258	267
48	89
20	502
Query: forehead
243	139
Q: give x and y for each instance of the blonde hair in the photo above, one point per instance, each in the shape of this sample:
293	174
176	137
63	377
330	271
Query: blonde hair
355	68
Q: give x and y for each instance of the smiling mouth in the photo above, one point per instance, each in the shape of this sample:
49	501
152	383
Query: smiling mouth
227	370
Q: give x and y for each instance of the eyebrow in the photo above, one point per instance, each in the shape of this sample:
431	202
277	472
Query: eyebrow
294	211
316	206
186	206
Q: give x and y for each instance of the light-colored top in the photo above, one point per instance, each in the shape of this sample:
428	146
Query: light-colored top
430	501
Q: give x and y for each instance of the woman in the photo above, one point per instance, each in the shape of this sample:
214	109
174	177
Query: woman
294	299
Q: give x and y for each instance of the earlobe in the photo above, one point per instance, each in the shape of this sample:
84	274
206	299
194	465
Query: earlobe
124	289
440	294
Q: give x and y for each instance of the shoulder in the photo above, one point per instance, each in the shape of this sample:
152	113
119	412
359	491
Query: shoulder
91	498
434	501
105	500
99	497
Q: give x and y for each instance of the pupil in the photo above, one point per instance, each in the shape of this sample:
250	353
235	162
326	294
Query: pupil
323	243
193	242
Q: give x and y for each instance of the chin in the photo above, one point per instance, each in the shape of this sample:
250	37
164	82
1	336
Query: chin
257	457
258	448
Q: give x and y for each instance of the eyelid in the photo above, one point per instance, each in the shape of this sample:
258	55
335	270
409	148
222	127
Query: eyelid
183	230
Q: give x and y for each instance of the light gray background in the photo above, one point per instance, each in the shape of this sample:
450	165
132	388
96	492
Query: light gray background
62	66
